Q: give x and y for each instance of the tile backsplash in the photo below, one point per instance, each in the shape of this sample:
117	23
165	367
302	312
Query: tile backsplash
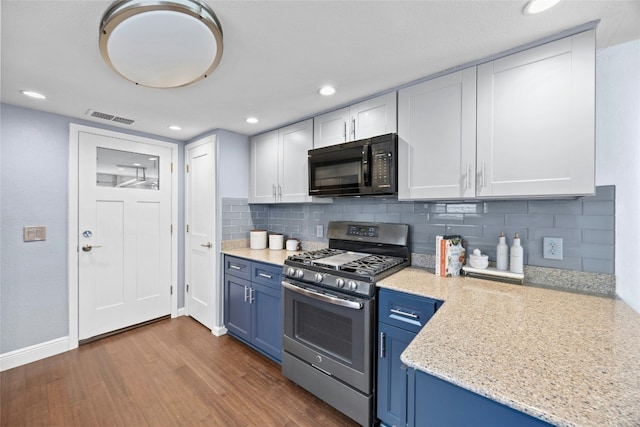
585	224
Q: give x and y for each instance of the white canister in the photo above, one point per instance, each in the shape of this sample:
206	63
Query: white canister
276	242
258	239
292	244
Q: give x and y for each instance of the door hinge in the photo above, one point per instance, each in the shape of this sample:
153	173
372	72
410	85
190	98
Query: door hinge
187	166
171	228
171	167
187	228
187	287
171	290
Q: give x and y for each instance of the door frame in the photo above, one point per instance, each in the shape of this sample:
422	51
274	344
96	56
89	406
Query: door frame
73	229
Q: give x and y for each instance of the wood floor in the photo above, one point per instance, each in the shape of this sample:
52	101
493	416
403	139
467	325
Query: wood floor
173	372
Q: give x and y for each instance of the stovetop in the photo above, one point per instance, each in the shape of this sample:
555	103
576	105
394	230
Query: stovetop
362	264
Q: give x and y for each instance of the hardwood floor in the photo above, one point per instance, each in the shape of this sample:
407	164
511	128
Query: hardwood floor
173	372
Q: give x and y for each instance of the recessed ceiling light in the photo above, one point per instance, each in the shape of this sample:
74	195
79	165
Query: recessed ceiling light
252	120
327	90
537	6
137	164
32	94
175	127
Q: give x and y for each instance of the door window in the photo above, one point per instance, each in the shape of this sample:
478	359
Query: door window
123	169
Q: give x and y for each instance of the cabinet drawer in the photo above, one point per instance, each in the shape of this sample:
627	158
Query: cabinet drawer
266	274
238	267
409	312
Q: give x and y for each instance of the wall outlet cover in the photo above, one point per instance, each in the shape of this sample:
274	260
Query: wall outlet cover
552	248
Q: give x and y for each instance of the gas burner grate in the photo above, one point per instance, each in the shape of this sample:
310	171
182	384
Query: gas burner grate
371	265
308	257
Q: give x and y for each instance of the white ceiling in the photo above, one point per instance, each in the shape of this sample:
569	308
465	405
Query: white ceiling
276	55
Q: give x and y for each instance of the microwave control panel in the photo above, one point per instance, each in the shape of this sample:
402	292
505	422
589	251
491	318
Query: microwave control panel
382	167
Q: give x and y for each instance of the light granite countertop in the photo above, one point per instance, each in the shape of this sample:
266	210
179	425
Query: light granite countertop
567	358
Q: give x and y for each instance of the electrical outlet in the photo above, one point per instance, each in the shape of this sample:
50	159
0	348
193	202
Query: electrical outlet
552	248
319	230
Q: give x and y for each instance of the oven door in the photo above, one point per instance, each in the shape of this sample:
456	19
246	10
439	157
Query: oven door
332	332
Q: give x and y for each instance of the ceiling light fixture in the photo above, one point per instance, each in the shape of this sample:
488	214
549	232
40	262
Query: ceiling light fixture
537	6
175	127
327	90
252	120
32	94
161	43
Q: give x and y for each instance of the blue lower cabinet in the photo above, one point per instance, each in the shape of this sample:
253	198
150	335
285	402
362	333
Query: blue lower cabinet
392	375
252	308
435	402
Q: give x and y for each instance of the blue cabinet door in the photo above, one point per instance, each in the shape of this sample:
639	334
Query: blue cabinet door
439	403
237	310
392	375
267	320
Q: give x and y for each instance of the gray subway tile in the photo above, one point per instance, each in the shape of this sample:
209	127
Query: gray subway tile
495	220
573	207
597	222
603	192
387	217
464	208
605	237
507	207
529	220
603	207
604	266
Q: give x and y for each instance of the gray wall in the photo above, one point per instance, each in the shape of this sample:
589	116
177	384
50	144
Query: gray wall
34	191
586	224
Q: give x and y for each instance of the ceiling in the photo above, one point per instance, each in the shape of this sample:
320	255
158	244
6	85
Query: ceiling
276	56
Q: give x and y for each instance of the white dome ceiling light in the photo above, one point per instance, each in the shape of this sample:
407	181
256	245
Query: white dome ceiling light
162	43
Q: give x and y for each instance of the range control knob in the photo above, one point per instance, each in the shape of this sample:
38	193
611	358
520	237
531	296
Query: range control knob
353	285
299	274
340	282
291	272
318	277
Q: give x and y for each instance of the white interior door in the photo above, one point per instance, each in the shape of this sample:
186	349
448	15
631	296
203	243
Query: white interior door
124	241
201	295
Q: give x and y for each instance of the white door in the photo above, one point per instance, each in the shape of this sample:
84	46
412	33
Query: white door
331	128
263	184
124	241
376	116
200	238
295	141
437	138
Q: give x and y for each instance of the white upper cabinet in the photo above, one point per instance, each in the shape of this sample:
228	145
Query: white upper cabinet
536	121
279	165
437	138
525	127
376	116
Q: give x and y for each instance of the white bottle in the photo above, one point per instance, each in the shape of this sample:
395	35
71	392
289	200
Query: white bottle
502	253
516	255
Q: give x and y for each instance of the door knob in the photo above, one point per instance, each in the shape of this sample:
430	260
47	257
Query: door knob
207	245
87	248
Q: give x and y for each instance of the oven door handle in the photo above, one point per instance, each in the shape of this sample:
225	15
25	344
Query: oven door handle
323	297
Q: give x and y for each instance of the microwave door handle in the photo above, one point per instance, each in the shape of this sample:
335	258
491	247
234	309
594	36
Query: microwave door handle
365	165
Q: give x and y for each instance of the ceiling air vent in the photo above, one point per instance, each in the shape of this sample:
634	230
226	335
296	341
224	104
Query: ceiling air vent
110	117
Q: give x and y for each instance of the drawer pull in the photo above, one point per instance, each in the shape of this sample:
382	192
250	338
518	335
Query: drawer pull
234	267
266	276
404	313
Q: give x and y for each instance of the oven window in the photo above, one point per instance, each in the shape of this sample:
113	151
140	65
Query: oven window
323	329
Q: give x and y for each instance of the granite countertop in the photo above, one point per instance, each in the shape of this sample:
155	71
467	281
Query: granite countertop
567	358
264	255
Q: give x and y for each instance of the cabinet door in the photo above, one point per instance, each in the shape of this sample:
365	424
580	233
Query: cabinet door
536	121
264	168
392	375
295	141
377	116
331	128
437	138
266	320
237	310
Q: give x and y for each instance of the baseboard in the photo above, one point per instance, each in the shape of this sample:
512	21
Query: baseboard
25	355
219	330
182	312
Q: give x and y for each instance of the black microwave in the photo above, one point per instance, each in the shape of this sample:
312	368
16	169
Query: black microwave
367	167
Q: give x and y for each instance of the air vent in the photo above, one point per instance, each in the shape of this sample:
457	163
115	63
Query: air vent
110	117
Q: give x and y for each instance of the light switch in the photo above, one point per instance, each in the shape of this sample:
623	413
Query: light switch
34	233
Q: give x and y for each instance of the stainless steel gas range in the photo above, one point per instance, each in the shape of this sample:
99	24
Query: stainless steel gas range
329	313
